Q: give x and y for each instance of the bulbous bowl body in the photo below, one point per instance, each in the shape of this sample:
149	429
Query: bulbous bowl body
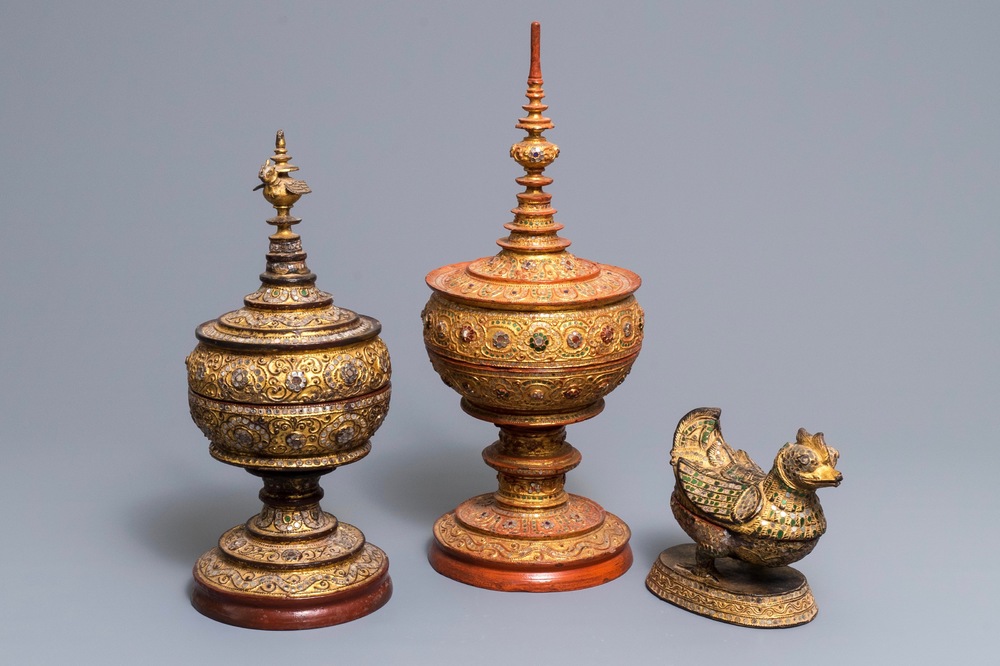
290	409
540	367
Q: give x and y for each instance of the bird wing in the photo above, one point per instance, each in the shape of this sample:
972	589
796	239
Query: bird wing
746	468
719	481
718	493
297	186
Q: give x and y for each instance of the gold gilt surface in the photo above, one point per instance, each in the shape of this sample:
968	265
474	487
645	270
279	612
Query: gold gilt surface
563	338
533	339
304	377
523	289
289	386
538	391
596	544
784	605
344	542
215	570
261	329
323	430
289	380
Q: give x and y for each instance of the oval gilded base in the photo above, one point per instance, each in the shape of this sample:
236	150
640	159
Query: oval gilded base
765	598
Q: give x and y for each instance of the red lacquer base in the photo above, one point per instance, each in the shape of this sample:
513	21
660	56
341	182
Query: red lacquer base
253	612
529	579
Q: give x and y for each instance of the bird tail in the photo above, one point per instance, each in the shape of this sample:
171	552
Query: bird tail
698	438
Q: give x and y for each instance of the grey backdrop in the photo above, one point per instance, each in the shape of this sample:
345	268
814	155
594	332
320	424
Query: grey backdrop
809	190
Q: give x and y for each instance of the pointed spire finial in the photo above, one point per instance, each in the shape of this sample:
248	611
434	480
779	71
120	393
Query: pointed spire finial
535	72
533	227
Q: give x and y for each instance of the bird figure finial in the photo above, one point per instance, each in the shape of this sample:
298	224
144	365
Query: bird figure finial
280	189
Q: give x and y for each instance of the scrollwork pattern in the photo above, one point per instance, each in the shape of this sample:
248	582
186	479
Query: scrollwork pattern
577	516
304	377
519	339
796	607
345	541
267	319
227	574
608	285
605	541
314	328
534	268
539	391
290	430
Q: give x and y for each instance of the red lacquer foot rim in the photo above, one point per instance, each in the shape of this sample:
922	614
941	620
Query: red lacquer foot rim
253	612
511	578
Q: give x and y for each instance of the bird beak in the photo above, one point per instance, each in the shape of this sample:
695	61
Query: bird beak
258	187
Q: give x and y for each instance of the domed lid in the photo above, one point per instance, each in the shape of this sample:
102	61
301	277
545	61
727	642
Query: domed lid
287	312
533	269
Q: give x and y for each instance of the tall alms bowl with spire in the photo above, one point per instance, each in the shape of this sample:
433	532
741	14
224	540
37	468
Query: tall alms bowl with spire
533	339
289	387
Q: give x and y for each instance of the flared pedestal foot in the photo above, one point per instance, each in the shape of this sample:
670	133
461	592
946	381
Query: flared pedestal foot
292	566
749	596
266	584
287	613
575	546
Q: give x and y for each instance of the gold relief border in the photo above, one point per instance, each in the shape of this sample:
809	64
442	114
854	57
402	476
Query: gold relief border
270	462
577	517
239	545
786	610
608	539
295	378
545	389
220	572
456	281
323	337
580	336
290	435
533	268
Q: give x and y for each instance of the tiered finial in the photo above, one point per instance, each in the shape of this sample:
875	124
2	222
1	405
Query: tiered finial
535	122
280	189
287	281
533	228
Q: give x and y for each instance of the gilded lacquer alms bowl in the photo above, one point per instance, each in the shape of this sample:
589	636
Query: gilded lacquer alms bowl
289	387
533	339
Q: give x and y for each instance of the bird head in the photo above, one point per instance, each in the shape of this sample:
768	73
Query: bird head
268	175
809	463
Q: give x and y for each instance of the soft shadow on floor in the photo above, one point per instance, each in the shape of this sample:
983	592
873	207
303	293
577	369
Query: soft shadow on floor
426	480
180	527
647	545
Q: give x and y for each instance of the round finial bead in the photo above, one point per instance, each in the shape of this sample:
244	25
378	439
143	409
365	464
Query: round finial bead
534	154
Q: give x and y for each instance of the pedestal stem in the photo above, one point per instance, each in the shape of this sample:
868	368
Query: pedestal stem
531	466
291	508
